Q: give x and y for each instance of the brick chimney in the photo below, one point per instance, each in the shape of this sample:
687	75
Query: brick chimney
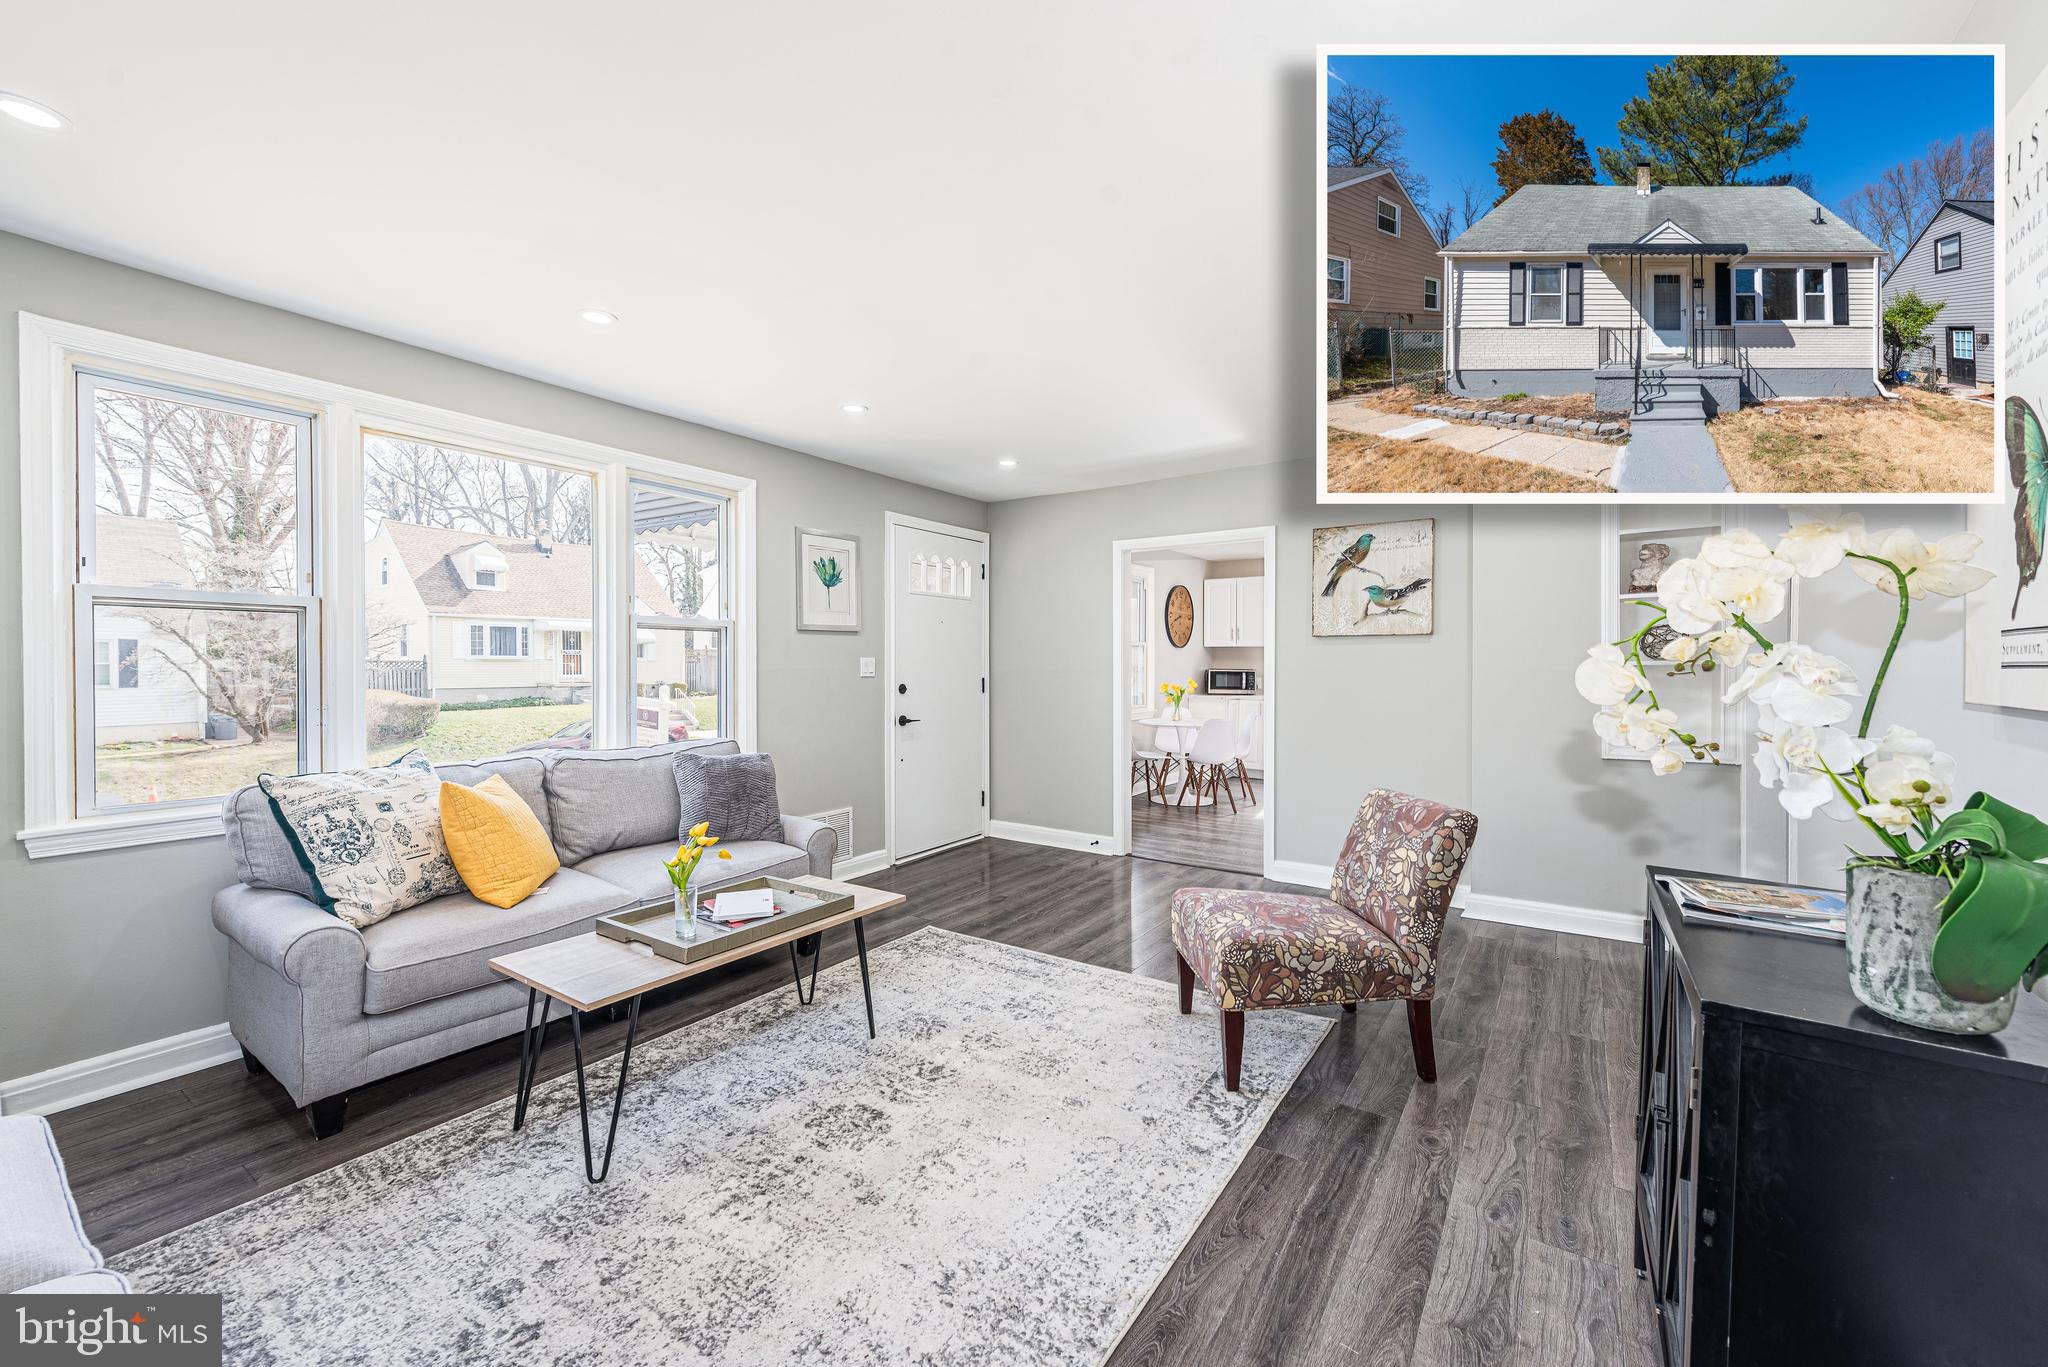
1642	177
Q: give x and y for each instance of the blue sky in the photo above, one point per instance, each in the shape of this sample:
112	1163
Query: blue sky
1453	107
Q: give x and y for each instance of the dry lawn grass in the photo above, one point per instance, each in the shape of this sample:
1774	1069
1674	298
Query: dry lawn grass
1918	443
1402	398
1360	464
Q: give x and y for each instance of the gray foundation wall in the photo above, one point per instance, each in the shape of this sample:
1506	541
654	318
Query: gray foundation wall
1761	386
1491	384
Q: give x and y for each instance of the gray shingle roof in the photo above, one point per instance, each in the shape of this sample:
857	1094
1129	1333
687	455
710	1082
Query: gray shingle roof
1340	176
1771	219
536	584
1975	208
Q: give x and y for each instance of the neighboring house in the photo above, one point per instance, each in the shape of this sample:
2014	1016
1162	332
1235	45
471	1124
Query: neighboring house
1952	263
1753	292
1382	266
147	684
499	617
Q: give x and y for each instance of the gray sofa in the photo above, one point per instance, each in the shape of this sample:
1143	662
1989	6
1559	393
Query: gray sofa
324	1007
43	1248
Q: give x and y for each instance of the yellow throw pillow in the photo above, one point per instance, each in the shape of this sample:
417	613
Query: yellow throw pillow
496	841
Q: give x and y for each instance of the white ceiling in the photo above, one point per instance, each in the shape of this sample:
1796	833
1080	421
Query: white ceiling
1078	235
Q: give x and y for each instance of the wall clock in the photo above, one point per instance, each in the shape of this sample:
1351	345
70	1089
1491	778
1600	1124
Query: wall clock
1180	616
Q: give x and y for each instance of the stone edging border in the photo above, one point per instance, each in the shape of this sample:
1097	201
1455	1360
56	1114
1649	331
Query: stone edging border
1587	429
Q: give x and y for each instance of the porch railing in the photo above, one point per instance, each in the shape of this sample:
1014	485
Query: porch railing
1714	346
1617	347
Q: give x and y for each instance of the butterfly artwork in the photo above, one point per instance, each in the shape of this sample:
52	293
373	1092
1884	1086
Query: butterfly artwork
2026	449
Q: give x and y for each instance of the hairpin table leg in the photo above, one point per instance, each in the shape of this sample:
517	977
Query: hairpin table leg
531	1042
598	1174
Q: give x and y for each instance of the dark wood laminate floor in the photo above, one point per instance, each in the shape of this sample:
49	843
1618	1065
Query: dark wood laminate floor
1202	837
1482	1220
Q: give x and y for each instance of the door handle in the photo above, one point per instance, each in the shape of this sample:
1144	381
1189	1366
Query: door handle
902	720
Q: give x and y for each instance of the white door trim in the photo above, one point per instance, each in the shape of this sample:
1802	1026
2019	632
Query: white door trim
890	522
1120	701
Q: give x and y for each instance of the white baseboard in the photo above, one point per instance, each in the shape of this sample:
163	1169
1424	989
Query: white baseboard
1049	835
855	866
74	1084
1520	911
1300	874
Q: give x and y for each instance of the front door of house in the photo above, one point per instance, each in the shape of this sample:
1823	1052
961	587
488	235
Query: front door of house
937	723
1667	311
1962	356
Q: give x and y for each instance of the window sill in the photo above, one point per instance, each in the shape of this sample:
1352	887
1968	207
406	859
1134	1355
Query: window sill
121	831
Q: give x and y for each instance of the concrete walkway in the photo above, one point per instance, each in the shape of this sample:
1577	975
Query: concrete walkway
1594	460
1671	458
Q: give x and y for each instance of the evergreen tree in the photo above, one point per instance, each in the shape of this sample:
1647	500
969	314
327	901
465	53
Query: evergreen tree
1706	121
1540	149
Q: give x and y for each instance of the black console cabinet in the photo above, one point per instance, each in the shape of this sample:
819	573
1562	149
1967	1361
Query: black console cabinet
1817	1185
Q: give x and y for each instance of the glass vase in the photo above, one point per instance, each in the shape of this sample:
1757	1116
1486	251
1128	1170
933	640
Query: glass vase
686	913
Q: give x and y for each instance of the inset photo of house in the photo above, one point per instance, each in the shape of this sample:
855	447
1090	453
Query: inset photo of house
1716	275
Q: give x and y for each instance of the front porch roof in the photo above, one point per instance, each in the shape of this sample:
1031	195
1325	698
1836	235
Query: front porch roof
1667	249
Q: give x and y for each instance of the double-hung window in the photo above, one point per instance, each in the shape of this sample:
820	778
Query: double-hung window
1390	217
1432	292
1138	637
1546	294
1948	253
682	612
194	612
1782	294
1337	274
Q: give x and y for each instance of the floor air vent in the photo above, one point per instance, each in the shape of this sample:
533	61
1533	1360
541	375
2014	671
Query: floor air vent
839	819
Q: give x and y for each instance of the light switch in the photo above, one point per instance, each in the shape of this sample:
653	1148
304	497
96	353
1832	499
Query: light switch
867	666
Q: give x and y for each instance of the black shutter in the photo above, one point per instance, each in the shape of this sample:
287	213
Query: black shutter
1841	272
1574	293
1724	295
1518	302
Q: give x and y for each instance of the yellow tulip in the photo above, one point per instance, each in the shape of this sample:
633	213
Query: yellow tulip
699	829
725	854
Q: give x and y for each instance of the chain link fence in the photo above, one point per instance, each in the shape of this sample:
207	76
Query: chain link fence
1362	352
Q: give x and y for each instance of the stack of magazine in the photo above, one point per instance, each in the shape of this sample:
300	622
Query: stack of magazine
1761	906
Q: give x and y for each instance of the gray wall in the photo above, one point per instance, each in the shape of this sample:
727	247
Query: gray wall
114	949
1481	713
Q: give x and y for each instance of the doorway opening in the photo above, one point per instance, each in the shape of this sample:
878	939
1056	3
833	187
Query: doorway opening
1194	777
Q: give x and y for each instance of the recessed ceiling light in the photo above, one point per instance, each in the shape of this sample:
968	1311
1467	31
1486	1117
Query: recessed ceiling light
31	112
853	408
1007	463
597	317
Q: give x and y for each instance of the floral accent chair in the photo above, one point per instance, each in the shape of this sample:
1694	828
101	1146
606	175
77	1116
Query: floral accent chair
1373	939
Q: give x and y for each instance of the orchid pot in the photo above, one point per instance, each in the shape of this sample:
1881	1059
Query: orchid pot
1948	914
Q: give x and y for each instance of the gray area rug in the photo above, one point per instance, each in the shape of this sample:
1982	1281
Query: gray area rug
1001	1179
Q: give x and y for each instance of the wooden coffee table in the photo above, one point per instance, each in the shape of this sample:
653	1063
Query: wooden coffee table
588	971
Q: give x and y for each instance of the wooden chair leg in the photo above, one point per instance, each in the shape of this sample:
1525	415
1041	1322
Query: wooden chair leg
1191	776
1422	1041
1233	1047
1222	779
1244	777
1187	984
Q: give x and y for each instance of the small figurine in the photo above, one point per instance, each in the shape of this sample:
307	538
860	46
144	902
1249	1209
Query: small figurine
1651	558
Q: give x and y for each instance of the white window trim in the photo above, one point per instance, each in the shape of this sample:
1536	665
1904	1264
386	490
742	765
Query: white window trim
1385	203
1955	237
51	350
725	627
1827	294
1150	574
1438	306
1530	296
1345	262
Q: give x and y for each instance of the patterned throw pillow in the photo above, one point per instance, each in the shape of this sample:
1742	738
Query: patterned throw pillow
734	793
370	838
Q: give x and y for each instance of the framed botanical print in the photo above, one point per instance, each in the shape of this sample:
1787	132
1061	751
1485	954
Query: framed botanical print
827	581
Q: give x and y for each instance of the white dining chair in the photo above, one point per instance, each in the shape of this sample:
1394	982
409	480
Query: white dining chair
1155	767
1212	750
1247	732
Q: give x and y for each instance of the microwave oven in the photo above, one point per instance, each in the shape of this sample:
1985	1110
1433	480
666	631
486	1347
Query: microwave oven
1232	681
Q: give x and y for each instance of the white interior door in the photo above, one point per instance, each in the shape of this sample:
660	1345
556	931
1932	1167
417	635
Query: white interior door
938	717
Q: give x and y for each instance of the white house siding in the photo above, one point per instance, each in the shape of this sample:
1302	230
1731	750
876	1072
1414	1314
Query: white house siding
393	611
458	677
1486	341
164	705
1967	293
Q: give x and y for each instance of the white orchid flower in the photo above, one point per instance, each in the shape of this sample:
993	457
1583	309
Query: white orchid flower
1666	759
1755	592
1604	677
1819	539
1680	649
1686	595
1635	725
1739	548
1908	780
1729	647
1897	820
1797	686
1797	761
1941	567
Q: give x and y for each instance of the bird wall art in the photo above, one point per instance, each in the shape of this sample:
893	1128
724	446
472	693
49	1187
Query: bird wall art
1374	580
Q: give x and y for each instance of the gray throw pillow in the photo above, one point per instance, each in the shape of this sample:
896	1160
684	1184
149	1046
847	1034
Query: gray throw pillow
734	793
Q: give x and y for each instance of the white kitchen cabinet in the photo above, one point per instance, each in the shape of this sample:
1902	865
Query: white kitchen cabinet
1234	611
